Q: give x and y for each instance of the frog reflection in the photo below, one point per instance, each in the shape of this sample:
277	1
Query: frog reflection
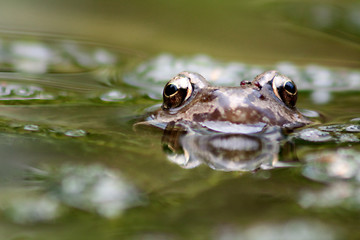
228	128
222	151
269	100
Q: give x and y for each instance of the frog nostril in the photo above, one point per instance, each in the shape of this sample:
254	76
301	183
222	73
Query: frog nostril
245	82
258	85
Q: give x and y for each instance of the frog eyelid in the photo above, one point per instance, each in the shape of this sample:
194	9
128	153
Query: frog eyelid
274	87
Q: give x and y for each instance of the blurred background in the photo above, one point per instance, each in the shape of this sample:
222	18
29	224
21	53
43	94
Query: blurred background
76	75
256	31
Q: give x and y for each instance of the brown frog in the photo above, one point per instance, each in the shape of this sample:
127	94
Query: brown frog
268	100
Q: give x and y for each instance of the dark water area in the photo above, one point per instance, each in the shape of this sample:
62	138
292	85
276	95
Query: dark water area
76	78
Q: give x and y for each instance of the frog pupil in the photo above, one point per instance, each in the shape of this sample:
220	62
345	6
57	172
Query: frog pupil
290	87
171	89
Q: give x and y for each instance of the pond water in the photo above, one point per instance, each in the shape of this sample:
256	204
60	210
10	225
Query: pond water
74	164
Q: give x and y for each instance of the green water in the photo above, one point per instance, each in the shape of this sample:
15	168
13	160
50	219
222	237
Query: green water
76	76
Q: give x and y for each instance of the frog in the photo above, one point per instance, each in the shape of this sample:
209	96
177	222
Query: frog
268	100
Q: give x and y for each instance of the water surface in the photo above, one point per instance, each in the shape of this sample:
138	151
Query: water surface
72	162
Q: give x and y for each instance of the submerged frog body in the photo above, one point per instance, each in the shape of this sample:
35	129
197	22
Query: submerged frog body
268	100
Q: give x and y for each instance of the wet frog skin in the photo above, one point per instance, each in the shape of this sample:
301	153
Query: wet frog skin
268	100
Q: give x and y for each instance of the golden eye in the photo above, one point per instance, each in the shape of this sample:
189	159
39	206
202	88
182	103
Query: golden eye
170	89
285	89
290	87
176	92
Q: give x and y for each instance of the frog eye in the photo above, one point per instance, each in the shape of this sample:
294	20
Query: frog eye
285	89
176	92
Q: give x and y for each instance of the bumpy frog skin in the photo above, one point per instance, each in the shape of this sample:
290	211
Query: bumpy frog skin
269	100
